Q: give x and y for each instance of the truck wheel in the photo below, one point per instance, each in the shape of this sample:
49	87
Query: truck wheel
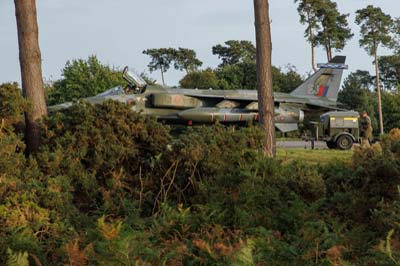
344	142
331	145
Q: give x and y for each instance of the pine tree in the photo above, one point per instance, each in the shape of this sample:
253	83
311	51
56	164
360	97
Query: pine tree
375	31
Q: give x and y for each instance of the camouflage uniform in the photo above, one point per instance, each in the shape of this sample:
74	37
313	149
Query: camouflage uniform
366	129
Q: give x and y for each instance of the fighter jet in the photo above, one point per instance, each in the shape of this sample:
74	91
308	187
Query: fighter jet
317	94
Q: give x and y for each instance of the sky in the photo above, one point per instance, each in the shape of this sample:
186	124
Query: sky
117	31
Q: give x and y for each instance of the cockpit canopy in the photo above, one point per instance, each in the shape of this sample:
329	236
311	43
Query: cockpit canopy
134	80
111	92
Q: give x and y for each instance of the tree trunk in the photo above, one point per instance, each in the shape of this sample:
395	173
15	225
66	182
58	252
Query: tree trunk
327	52
264	75
31	70
162	76
330	51
312	51
378	90
311	39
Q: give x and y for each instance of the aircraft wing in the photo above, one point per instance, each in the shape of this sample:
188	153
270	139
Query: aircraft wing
238	95
248	96
325	106
310	103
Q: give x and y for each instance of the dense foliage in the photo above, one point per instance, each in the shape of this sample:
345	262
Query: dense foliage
110	187
236	71
203	79
358	93
235	52
391	110
12	104
389	69
83	78
182	58
240	76
325	25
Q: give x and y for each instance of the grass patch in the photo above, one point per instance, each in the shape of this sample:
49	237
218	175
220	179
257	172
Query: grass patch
313	157
288	139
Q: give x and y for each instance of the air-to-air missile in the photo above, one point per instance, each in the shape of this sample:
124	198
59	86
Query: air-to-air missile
317	94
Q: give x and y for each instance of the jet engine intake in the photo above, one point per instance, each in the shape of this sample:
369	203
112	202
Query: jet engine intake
301	116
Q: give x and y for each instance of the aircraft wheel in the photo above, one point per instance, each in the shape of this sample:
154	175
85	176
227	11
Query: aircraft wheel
331	145
344	142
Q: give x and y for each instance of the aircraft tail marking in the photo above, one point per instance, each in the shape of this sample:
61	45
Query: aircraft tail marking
323	91
325	83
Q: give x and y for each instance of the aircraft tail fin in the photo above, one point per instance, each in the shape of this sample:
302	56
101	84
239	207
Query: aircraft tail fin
325	83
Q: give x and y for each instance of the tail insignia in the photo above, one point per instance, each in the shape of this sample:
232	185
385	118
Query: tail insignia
323	91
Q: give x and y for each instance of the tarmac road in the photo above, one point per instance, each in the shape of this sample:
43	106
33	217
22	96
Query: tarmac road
301	144
320	145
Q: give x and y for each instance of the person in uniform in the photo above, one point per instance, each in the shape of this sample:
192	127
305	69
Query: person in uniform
365	129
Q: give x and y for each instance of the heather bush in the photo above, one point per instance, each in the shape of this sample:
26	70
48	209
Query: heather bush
111	187
12	105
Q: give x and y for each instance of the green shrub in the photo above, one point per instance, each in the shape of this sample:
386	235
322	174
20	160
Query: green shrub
83	78
107	151
12	105
112	187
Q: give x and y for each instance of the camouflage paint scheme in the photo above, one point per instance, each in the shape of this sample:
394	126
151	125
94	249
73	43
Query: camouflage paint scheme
317	94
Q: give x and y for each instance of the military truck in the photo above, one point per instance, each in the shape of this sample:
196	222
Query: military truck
340	129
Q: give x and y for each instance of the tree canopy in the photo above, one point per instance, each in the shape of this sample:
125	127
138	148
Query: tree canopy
334	30
375	28
389	68
307	10
182	58
391	109
395	28
325	25
204	79
375	31
161	59
356	91
235	52
240	76
83	78
186	59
